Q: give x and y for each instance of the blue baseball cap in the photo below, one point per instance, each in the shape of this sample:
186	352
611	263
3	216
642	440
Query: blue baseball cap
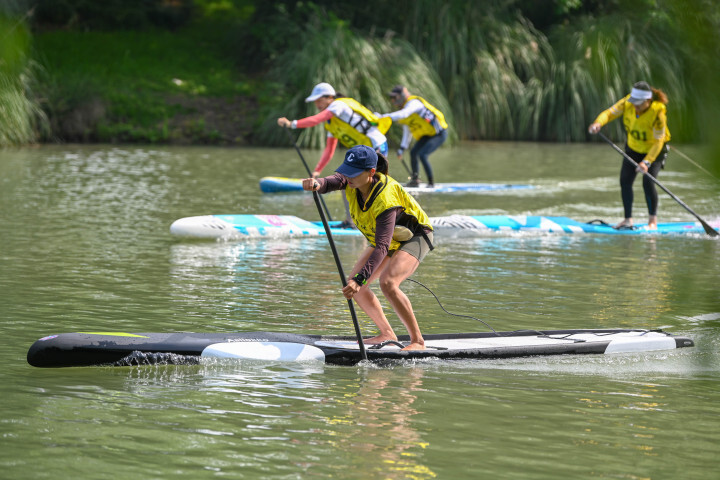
358	159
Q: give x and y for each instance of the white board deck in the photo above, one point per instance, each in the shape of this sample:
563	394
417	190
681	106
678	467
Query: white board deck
619	342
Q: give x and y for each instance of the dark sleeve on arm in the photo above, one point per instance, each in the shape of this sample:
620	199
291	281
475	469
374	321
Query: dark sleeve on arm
384	229
334	182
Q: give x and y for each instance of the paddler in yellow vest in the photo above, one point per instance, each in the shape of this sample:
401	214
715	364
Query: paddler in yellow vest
347	121
398	231
644	114
421	121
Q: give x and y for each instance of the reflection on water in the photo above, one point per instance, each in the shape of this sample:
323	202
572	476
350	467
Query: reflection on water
84	244
382	409
592	281
257	284
576	282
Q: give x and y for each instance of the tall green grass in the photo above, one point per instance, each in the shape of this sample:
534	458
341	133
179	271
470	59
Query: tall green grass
16	126
501	78
497	76
506	80
488	67
697	23
20	114
359	67
600	60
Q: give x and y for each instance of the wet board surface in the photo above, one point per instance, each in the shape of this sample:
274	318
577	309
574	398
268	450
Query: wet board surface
121	348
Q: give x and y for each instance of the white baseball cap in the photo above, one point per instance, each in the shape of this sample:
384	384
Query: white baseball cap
320	90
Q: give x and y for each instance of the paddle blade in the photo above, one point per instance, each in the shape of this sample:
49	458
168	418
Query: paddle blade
708	229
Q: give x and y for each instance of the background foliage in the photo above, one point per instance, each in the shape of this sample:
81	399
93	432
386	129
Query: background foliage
20	116
500	69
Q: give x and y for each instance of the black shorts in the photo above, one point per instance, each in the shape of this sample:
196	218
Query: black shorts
417	246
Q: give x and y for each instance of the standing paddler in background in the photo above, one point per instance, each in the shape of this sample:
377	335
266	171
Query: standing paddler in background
644	115
346	120
423	122
399	233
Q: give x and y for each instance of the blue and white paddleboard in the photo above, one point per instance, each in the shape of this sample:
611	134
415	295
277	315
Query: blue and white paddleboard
283	184
284	226
122	349
253	226
542	224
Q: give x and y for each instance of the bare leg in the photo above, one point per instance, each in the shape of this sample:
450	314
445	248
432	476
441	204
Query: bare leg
369	303
652	222
400	267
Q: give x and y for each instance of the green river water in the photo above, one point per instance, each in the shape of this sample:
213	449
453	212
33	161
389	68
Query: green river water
85	246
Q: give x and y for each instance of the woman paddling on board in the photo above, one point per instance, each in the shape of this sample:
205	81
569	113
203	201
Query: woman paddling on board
644	115
399	233
346	120
422	121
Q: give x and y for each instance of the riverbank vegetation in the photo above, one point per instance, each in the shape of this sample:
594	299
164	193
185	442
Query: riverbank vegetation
153	87
210	71
21	118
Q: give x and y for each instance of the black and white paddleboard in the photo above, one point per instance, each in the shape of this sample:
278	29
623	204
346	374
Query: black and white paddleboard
122	349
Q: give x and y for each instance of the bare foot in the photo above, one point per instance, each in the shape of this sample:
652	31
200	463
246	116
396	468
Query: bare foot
624	223
415	346
379	339
652	222
652	226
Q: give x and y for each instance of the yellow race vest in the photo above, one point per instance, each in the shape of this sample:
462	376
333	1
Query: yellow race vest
421	124
640	130
385	194
353	133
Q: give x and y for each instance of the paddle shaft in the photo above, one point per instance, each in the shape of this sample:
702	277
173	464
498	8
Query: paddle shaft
708	229
309	172
358	334
402	160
